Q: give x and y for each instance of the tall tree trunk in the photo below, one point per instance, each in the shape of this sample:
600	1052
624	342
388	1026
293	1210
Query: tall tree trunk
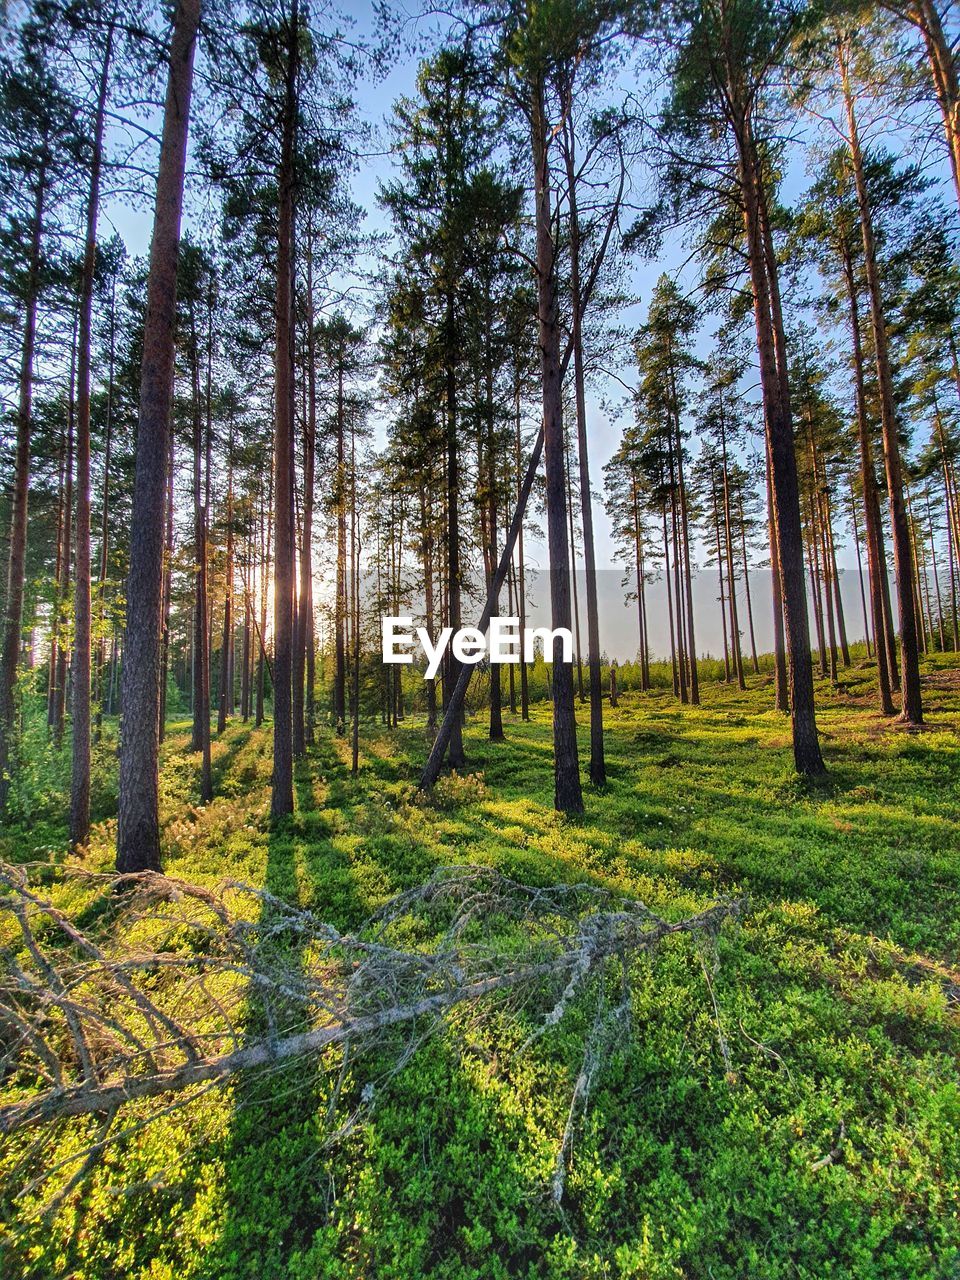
266	534
521	579
201	630
138	832
82	641
309	473
226	673
426	525
684	517
355	583
828	592
813	559
666	573
723	598
246	648
746	584
779	430
863	595
781	689
58	568
581	693
941	57
924	614
677	588
890	634
598	773
340	596
100	666
167	595
60	686
454	618
952	549
638	566
936	572
911	707
568	797
873	532
731	572
831	552
496	707
281	801
16	569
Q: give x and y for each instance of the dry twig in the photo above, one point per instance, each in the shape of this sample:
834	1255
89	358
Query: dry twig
183	987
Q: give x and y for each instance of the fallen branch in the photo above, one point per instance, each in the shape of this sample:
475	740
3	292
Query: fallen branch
185	986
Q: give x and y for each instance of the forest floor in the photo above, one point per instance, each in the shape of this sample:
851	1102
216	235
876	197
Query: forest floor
824	1146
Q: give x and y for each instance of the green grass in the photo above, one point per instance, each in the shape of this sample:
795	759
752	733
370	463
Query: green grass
837	998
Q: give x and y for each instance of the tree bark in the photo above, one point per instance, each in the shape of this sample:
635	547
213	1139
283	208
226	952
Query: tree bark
16	570
521	581
781	690
731	572
454	616
66	555
226	674
911	706
779	430
876	569
100	665
568	797
138	832
309	474
863	594
598	773
82	643
281	802
746	584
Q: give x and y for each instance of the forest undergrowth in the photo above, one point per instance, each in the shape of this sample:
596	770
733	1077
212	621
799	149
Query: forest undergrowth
790	1111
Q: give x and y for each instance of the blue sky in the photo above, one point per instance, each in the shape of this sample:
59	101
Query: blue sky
375	96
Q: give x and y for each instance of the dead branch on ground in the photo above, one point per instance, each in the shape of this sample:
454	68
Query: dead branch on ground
173	988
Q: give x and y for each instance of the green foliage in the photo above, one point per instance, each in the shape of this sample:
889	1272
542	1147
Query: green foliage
806	1128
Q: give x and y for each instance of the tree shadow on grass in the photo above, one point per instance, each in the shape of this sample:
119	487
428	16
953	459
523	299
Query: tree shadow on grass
276	1189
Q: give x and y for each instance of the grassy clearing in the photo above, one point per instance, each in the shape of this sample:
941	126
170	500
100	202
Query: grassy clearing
826	1147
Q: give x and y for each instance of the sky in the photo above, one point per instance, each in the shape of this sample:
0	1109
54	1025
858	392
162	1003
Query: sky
375	97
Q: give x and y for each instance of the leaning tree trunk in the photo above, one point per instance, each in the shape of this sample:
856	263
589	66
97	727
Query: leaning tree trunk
911	705
138	831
